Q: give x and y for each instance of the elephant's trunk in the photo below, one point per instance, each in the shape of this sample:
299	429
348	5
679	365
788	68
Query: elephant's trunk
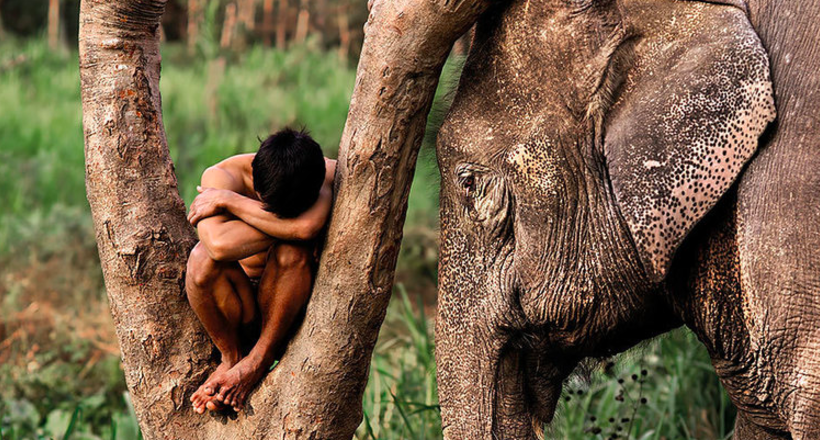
481	388
466	375
480	379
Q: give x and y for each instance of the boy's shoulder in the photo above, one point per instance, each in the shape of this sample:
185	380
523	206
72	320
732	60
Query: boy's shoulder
330	169
237	168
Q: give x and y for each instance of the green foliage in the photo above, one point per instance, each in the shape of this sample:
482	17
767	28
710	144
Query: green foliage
663	389
60	373
400	400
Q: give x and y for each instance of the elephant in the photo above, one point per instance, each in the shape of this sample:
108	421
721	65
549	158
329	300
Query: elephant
614	169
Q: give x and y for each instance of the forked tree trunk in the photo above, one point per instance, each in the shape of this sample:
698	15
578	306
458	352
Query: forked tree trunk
144	239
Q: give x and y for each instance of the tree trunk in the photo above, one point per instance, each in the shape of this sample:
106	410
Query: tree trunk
228	27
344	33
54	24
247	14
281	25
2	29
144	239
321	14
302	22
194	16
267	20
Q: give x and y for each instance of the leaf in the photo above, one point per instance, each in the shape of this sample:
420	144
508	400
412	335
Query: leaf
57	423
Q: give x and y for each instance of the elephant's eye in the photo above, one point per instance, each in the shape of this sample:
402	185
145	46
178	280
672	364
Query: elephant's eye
467	180
484	197
468	183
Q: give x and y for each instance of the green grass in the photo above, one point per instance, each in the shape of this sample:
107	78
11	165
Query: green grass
59	366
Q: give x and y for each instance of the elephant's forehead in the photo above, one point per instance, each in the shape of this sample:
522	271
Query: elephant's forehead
473	134
533	165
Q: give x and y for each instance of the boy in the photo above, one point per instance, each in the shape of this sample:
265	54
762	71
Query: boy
257	216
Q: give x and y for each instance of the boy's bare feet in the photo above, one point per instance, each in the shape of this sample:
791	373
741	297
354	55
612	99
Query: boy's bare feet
205	396
232	386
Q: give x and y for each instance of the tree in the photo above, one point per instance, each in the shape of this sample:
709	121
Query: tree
53	24
144	239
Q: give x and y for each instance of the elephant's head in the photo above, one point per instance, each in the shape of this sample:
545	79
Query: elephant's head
586	139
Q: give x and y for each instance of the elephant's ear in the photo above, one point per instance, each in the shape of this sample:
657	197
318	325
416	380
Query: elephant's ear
686	117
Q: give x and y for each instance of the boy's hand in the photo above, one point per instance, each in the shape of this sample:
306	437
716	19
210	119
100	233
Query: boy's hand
208	203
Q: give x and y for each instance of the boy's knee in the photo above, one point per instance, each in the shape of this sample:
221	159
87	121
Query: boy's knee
202	268
291	256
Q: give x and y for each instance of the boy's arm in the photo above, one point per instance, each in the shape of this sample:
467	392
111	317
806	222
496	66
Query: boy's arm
227	238
304	227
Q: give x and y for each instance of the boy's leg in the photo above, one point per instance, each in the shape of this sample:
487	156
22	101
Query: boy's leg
283	291
220	294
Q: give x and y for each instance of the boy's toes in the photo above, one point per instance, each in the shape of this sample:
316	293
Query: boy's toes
230	397
196	400
199	405
214	405
238	400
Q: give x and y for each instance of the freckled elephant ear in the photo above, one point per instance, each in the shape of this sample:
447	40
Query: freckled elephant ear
695	98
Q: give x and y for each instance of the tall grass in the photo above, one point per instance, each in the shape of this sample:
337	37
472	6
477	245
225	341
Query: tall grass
59	367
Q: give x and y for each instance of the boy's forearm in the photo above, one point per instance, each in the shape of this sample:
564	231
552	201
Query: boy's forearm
253	213
231	239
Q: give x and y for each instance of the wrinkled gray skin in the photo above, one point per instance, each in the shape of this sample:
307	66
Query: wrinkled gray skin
603	182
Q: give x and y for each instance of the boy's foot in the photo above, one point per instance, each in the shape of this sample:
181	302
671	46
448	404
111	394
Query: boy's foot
233	386
205	394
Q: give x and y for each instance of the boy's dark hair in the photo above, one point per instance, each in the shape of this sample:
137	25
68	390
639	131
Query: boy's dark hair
288	172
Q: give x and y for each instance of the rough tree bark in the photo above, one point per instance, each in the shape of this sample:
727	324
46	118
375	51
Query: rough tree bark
143	237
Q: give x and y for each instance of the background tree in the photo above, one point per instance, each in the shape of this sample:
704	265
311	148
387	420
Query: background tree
53	24
144	239
2	28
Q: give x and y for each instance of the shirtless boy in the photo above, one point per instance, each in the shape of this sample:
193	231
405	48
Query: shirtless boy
257	216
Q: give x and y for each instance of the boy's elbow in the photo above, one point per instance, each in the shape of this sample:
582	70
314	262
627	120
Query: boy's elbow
308	230
217	249
219	254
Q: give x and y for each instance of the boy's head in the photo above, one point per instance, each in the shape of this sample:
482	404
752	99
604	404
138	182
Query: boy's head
288	172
